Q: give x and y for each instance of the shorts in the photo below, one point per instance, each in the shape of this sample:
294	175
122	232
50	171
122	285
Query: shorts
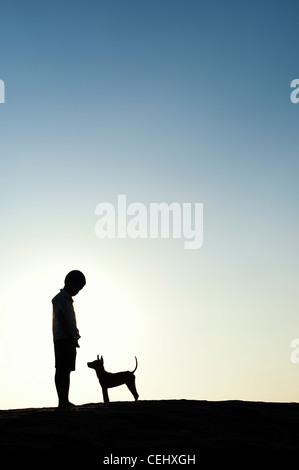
65	354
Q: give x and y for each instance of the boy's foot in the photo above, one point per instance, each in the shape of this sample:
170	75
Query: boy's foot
65	405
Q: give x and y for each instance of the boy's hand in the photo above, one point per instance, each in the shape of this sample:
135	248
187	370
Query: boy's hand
76	344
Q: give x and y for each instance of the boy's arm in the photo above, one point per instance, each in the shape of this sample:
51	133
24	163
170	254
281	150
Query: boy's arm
64	326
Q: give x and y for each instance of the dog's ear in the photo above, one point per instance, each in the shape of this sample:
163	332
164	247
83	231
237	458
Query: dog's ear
98	357
102	359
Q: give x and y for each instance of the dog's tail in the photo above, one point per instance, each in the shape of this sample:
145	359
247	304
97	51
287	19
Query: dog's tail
136	365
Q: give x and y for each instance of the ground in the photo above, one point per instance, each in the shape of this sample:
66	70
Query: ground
166	427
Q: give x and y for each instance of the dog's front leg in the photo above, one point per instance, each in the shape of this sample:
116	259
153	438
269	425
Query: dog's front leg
105	395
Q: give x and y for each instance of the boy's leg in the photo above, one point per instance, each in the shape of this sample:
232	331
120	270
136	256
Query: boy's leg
65	357
62	382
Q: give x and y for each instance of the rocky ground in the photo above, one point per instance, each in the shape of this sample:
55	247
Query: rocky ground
170	427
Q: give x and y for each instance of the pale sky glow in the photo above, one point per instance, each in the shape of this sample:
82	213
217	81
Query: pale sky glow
161	101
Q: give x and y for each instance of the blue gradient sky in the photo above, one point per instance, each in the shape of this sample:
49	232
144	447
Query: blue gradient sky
185	101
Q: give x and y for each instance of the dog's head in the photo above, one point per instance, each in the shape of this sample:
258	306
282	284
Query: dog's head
97	364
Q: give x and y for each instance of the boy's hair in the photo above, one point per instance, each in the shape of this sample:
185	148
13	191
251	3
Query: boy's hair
75	277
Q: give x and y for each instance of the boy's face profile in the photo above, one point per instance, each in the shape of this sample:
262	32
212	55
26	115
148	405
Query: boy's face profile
73	288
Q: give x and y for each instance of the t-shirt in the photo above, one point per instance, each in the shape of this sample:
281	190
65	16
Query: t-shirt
64	302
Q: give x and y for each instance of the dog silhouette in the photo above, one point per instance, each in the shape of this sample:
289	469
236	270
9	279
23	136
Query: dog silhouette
109	380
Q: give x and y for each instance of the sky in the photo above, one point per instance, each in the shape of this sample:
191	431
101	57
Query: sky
184	101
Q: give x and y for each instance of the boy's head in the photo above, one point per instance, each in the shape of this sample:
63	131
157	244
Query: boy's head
74	282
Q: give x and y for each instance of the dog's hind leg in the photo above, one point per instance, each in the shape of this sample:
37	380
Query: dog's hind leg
132	387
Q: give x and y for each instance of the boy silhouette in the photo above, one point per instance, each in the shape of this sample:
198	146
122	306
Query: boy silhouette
65	334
